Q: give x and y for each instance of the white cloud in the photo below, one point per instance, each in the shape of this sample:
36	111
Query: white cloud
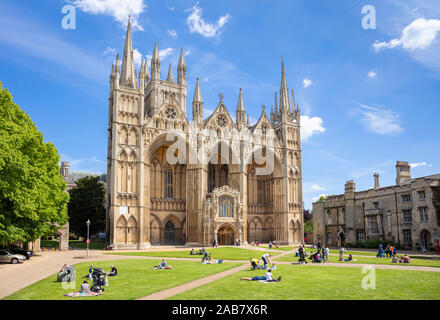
307	83
109	51
163	54
311	126
316	187
372	74
198	25
419	164
172	33
418	35
380	121
118	9
137	56
171	8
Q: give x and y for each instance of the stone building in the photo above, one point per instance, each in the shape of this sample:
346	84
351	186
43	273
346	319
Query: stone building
407	212
152	201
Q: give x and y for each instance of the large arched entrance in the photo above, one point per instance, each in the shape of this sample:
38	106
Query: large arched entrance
425	239
226	235
169	233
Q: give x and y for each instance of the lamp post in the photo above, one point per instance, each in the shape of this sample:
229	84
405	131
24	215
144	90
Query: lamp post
88	226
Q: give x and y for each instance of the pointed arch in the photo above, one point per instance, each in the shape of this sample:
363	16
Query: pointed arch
121	230
132	230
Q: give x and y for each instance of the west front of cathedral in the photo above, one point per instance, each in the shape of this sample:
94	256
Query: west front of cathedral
154	201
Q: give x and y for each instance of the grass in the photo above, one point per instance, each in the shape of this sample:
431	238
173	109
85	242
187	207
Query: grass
225	253
370	260
74	244
321	283
279	248
135	279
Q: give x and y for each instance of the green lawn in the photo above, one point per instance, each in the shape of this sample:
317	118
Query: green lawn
370	260
74	244
135	279
279	248
321	283
226	253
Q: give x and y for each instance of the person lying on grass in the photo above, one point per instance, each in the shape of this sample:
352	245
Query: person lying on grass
85	288
350	258
268	277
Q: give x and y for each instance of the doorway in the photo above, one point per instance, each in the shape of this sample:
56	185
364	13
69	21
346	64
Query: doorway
169	233
226	236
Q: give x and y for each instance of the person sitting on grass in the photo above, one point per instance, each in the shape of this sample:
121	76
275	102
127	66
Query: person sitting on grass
191	253
394	259
350	258
268	277
113	272
162	265
85	288
341	256
405	259
270	245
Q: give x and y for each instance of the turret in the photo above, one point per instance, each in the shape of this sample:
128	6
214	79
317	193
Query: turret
155	64
197	104
241	112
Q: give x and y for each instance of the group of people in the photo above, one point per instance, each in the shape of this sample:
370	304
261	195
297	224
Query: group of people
320	256
85	287
255	263
389	251
273	244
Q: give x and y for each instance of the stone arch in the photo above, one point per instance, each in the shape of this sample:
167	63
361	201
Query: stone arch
425	239
122	171
154	230
269	229
176	236
256	230
298	232
226	234
132	230
123	135
292	231
121	230
132	137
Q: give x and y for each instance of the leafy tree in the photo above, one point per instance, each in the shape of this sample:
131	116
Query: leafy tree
87	201
322	198
307	215
308	226
32	192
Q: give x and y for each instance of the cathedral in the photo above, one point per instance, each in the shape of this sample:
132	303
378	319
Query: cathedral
232	196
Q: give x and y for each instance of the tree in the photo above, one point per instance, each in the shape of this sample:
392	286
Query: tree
307	215
87	201
32	191
322	198
308	226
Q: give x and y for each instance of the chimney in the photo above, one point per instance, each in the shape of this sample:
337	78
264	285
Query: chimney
376	181
403	172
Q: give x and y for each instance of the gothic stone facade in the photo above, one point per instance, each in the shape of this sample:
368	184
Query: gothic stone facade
407	213
152	202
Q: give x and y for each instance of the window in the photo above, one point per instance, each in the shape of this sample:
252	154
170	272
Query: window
170	113
260	191
211	178
329	217
407	216
343	216
329	237
372	225
406	198
424	216
376	205
422	195
407	236
360	236
168	184
226	207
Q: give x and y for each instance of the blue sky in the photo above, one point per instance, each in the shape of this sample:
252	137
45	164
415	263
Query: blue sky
368	97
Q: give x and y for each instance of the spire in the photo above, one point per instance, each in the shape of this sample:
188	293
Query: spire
248	121
155	64
293	102
170	77
284	92
181	70
146	72
128	72
197	94
240	104
197	104
241	113
276	104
